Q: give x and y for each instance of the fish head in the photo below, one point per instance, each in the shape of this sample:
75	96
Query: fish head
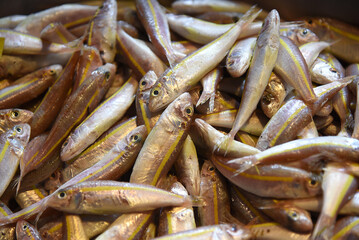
19	136
65	199
183	110
24	230
160	97
317	25
53	71
147	81
136	137
298	219
304	35
208	170
108	71
11	117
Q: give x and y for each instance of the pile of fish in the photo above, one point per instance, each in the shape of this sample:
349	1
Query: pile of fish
194	120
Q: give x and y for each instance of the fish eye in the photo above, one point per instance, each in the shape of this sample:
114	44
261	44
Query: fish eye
233	228
61	195
313	182
333	70
310	21
52	71
189	110
211	169
15	114
134	138
24	227
305	31
18	129
293	215
107	75
65	143
143	83
155	92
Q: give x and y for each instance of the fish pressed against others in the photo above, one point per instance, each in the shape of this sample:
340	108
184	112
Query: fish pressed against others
177	119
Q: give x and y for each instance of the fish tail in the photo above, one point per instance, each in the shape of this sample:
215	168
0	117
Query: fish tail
323	228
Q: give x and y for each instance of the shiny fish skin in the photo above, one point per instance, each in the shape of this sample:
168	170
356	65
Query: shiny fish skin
102	30
10	117
73	228
74	110
144	115
51	104
185	74
100	119
115	197
29	86
291	67
65	14
239	57
333	148
13	143
274	181
161	148
26	231
205	133
56	32
155	23
138	55
176	219
187	167
263	61
21	43
99	149
295	114
220	231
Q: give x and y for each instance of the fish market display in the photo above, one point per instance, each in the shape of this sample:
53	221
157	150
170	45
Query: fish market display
178	119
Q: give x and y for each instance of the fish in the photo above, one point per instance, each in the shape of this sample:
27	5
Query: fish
239	57
295	114
210	82
333	148
299	35
185	74
67	14
50	106
187	167
26	231
13	116
100	120
344	37
164	142
144	115
155	23
29	86
176	219
114	197
13	143
138	55
102	30
202	132
99	149
75	108
73	227
263	61
57	33
219	231
276	181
